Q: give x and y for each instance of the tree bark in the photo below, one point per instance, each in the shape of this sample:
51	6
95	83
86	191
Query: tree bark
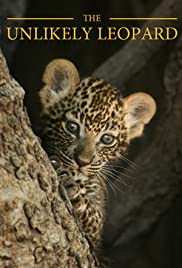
36	228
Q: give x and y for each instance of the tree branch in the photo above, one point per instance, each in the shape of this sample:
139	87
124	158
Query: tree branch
127	62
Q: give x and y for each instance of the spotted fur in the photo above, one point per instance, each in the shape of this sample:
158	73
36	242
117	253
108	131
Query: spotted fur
100	113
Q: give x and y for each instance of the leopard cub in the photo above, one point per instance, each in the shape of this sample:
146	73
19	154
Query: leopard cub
86	125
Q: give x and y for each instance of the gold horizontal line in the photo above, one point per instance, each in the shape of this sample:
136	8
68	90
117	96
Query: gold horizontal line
143	18
40	18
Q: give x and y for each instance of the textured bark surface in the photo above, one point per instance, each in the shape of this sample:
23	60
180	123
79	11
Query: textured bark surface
36	228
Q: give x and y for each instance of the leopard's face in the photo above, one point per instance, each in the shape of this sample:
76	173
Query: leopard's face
88	124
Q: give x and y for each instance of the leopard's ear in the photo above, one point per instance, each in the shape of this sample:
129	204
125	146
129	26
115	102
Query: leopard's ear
139	109
60	77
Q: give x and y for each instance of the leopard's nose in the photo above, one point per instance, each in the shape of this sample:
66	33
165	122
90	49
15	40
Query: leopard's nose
85	151
82	162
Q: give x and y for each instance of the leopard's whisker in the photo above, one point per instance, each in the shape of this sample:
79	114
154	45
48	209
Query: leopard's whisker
66	162
66	159
119	174
93	169
111	175
110	181
131	163
116	167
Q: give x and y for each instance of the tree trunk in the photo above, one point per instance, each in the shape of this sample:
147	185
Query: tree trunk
36	228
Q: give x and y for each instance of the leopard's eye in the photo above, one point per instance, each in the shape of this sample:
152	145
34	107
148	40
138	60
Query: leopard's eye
72	127
107	139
